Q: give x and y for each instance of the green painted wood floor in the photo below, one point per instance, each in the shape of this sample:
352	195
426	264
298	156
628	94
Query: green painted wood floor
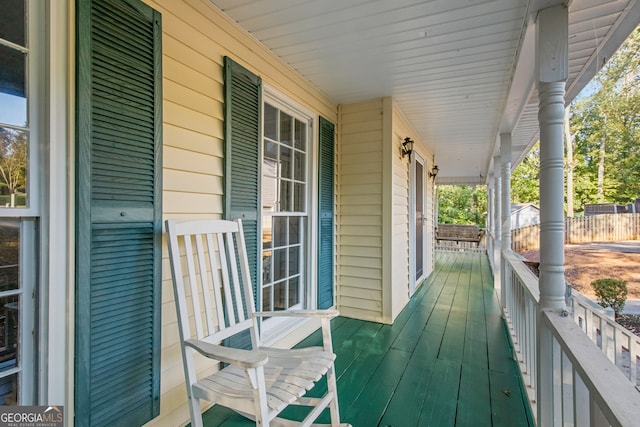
446	361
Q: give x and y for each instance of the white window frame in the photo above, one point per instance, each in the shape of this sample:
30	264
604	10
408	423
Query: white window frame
275	328
30	218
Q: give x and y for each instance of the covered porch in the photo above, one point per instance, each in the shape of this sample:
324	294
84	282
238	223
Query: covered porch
446	360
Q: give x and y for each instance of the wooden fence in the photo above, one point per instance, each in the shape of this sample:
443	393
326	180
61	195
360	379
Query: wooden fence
597	228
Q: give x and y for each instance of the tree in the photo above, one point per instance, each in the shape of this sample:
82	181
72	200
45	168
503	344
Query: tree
525	179
462	204
13	160
568	143
606	126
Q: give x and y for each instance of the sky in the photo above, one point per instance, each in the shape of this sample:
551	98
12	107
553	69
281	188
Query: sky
13	110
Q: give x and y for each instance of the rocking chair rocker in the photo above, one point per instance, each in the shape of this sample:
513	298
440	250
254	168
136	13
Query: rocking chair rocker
257	383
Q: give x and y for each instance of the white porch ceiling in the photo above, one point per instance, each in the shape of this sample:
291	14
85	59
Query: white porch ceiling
461	71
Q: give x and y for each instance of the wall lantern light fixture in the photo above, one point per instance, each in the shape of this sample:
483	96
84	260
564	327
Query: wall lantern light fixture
434	172
407	147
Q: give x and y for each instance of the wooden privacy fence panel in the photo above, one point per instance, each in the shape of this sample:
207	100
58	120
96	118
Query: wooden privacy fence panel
597	228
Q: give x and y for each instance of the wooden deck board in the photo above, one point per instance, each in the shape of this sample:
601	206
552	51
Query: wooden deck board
446	360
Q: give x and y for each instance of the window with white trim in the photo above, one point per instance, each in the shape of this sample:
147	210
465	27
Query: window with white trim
285	201
20	85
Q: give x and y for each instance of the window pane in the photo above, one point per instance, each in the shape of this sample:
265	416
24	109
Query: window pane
301	135
9	336
266	298
279	296
270	122
267	275
299	166
294	261
9	390
285	162
299	200
285	128
285	196
9	254
294	230
13	103
269	194
279	264
270	158
294	291
280	231
267	233
13	168
12	21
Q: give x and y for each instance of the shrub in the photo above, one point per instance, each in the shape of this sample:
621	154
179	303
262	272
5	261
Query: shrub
611	293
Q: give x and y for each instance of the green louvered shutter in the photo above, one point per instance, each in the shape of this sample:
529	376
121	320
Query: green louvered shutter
118	217
325	213
243	148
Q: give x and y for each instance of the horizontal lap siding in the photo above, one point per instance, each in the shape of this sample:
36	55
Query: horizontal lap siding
360	213
196	37
401	209
401	274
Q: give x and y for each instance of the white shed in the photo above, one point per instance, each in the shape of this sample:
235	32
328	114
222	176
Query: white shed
524	214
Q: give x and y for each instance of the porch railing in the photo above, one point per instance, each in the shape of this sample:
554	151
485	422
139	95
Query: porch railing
448	245
621	346
521	311
576	382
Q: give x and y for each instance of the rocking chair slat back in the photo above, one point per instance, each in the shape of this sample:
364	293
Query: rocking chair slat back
213	277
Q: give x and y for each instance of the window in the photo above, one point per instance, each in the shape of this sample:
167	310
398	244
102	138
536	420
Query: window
14	124
19	210
285	218
283	193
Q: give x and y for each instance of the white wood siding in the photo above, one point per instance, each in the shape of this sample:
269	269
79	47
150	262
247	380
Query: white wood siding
359	266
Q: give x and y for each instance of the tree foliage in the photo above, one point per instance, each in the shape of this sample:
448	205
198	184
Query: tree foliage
525	179
462	204
605	125
611	293
13	160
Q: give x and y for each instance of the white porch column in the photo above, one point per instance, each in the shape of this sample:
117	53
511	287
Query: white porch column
552	65
489	221
552	62
505	162
505	208
497	229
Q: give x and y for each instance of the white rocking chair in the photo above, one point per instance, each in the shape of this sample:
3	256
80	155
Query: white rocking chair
257	383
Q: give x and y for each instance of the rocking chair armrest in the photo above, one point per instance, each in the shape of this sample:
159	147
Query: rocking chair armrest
319	314
232	356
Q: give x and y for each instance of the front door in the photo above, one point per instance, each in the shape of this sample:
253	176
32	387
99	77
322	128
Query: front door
418	221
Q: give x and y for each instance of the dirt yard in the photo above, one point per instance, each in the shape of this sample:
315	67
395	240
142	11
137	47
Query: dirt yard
586	263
